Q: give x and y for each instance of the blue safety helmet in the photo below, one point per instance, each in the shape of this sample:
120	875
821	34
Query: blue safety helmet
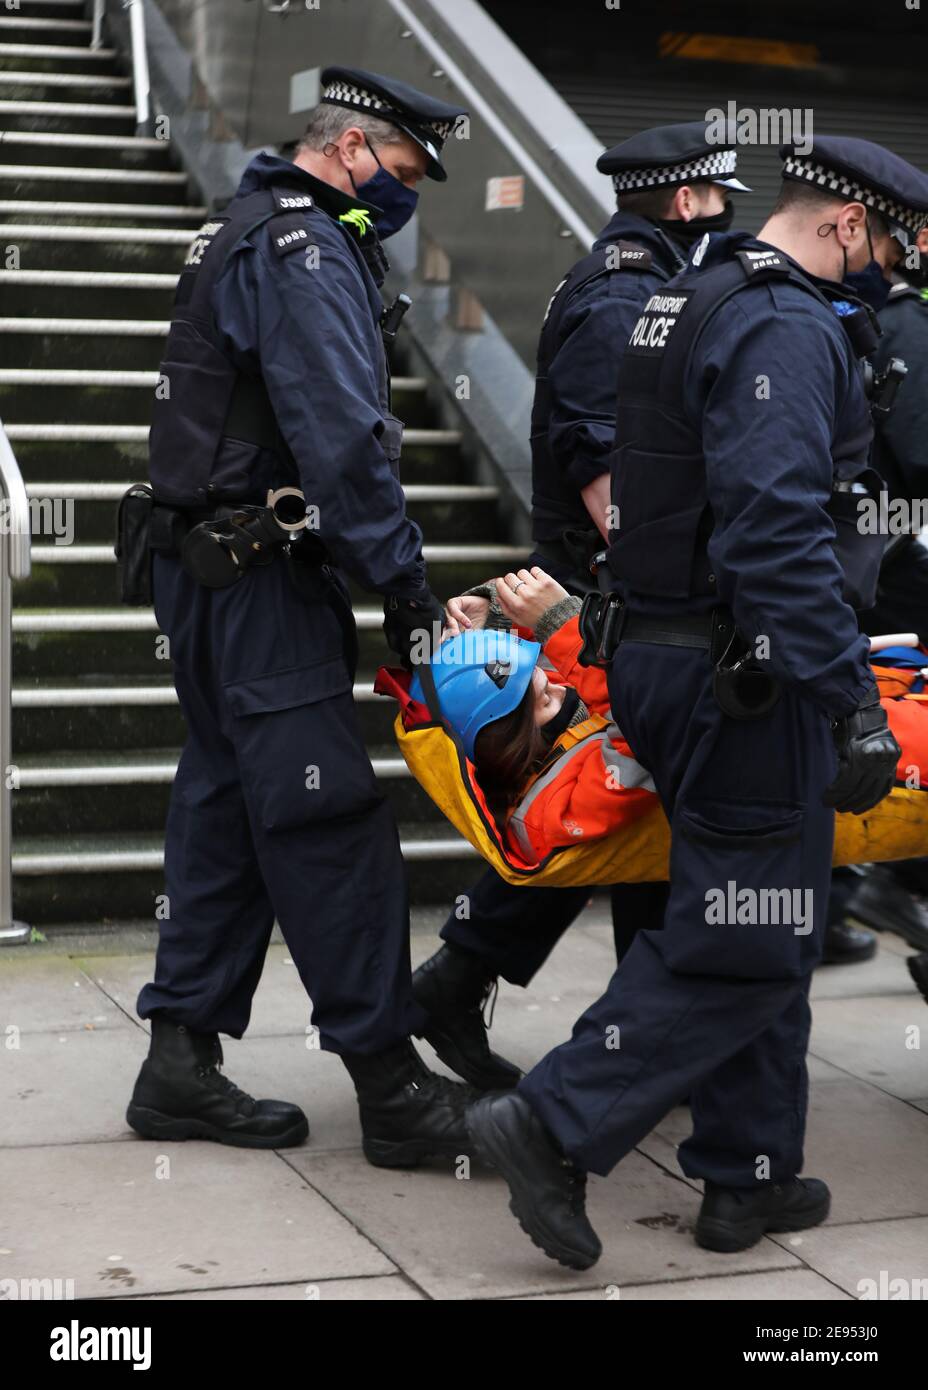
479	676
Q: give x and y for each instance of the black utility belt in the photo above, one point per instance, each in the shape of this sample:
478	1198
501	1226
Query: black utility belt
742	688
217	545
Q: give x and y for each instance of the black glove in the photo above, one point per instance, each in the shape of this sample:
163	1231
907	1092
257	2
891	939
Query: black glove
867	758
409	626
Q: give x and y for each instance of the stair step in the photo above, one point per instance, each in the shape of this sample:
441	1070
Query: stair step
40	28
51	57
121	399
68	173
415	492
68	696
104	711
38	291
63	87
43	246
434	554
129	152
33	181
139	433
444	511
58	8
93	854
162	212
122	328
144	236
129	767
123	619
111	451
20	114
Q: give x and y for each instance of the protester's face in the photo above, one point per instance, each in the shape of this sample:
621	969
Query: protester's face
548	698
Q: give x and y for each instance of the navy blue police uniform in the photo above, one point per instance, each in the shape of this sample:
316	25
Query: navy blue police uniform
743	431
901	456
277	378
588	321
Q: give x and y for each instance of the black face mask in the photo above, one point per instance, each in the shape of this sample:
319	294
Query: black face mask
552	731
686	234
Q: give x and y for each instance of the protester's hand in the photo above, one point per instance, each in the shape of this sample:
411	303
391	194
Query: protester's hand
867	758
467	610
525	596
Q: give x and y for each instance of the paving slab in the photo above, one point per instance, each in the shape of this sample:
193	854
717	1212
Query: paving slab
768	1287
876	1251
457	1240
136	1218
74	1087
886	973
885	1043
68	1088
51	993
281	1005
386	1288
869	1147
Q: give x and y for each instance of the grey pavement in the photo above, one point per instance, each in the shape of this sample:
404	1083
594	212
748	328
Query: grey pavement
114	1217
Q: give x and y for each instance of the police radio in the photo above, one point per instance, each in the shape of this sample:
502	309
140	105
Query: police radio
392	317
881	387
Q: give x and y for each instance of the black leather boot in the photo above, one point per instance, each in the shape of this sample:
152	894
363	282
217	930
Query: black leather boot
734	1218
548	1191
453	986
181	1094
846	944
408	1113
882	902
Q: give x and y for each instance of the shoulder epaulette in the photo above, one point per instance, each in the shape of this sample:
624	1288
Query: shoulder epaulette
288	232
763	263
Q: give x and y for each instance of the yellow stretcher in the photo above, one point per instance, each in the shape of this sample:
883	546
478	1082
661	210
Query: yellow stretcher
895	829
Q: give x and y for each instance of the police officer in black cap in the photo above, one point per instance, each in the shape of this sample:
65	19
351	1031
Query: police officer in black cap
740	678
274	464
894	896
672	186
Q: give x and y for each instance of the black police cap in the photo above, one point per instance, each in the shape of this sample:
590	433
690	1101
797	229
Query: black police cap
861	172
670	155
423	118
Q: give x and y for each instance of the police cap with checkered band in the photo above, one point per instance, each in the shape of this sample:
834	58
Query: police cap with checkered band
859	171
671	155
423	118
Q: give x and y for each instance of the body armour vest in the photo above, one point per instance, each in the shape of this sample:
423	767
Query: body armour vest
660	549
556	504
214	436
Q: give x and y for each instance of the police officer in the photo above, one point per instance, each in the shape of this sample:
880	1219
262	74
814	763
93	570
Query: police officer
277	379
671	183
741	680
894	897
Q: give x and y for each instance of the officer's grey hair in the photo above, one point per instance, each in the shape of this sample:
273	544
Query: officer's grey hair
327	122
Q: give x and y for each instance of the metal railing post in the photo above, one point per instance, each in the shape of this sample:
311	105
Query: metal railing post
96	39
140	77
15	562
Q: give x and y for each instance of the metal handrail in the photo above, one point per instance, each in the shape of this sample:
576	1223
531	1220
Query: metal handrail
15	563
140	78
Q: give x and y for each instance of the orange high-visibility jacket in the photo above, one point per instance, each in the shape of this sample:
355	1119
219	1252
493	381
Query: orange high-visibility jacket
594	786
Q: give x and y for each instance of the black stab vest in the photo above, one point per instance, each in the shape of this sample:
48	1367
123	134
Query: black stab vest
660	547
556	504
190	421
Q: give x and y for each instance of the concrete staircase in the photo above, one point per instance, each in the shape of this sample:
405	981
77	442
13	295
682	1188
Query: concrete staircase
99	220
